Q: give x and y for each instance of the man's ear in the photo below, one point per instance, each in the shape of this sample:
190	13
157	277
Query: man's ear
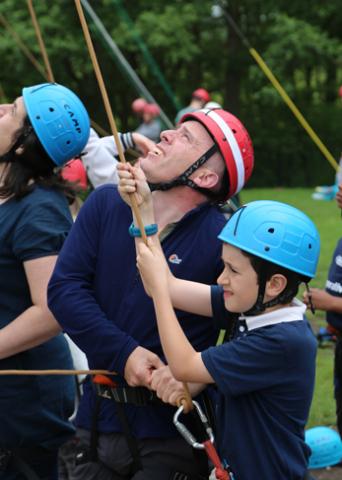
274	286
205	178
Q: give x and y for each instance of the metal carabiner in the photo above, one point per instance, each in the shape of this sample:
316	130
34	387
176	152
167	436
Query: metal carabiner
186	434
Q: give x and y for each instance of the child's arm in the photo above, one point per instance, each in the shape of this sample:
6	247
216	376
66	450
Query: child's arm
185	363
187	296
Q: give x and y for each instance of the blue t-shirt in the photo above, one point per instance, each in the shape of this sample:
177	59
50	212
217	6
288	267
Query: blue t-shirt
265	380
33	410
97	295
334	285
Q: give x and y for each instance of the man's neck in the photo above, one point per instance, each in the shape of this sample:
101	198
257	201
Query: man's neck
171	205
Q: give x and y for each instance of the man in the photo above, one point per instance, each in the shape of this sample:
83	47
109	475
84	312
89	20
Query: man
199	98
97	296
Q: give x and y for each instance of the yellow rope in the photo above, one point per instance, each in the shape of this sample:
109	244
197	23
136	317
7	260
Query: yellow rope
293	108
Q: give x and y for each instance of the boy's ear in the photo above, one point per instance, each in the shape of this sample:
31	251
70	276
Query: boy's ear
275	285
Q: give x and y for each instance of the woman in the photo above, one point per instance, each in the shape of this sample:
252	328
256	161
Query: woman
41	130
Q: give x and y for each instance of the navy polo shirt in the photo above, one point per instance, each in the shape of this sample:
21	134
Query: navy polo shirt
34	410
334	285
97	295
265	380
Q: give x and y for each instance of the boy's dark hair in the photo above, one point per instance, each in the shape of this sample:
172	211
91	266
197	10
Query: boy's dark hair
265	269
32	164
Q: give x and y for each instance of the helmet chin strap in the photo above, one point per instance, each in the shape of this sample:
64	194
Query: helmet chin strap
259	306
184	179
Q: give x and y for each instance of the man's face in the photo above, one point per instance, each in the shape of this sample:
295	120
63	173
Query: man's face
177	150
11	119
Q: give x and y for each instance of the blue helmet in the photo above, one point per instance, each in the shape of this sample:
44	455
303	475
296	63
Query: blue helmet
325	445
275	232
59	120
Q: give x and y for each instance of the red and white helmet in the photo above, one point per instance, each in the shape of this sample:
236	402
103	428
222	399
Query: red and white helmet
138	105
233	141
202	94
152	109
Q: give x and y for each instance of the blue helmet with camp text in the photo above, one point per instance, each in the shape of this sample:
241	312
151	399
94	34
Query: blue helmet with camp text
59	120
276	232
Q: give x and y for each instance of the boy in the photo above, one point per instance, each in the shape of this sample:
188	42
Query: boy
265	375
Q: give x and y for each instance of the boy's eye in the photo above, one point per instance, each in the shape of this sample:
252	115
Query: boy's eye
230	268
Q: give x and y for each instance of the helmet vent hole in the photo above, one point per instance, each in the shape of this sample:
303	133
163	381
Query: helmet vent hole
270	230
51	109
310	246
233	130
38	117
267	249
68	142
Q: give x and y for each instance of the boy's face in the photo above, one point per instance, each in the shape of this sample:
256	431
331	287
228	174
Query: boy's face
238	279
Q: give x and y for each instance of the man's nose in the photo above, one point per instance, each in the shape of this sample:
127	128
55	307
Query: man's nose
167	136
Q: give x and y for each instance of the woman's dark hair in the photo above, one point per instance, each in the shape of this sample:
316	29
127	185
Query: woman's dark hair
265	269
32	164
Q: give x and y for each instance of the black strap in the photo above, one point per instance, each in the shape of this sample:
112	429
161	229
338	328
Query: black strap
131	440
94	434
138	396
183	179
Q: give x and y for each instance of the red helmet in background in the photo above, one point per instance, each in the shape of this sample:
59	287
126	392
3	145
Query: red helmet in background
152	109
340	92
138	105
233	141
74	171
202	94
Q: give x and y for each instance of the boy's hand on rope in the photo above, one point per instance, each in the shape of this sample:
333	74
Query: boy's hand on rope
170	390
167	388
133	180
153	268
140	366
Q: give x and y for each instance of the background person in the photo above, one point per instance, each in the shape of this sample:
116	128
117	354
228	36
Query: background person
330	301
97	295
199	98
99	156
39	132
151	126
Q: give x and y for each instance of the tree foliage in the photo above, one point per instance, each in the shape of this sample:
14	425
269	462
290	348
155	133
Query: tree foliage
194	45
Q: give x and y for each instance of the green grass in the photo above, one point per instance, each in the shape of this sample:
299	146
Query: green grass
327	218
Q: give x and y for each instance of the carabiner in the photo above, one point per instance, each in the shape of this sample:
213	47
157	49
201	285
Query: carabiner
186	434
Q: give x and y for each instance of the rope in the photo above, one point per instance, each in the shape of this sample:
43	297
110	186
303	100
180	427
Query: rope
185	400
56	372
21	44
276	84
41	42
220	472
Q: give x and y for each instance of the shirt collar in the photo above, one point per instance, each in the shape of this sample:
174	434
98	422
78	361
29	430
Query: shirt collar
292	313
